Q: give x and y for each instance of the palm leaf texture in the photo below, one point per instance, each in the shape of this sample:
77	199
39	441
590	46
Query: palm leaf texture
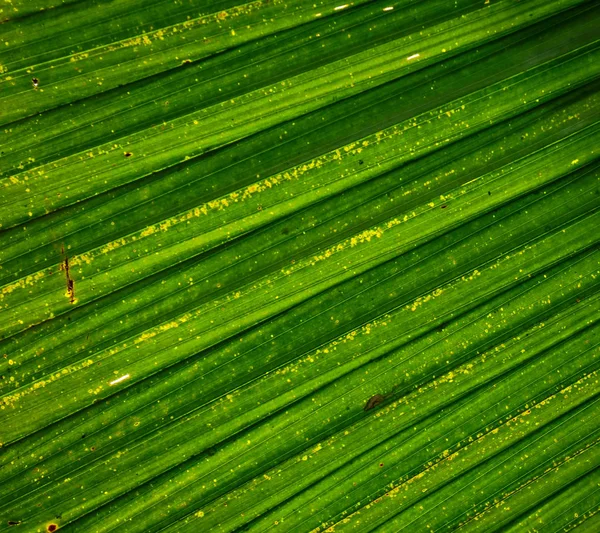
299	266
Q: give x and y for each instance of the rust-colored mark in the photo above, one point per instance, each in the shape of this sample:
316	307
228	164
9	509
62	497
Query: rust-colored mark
35	82
127	154
52	527
70	282
14	522
374	401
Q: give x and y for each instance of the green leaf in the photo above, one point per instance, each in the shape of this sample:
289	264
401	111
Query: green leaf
299	266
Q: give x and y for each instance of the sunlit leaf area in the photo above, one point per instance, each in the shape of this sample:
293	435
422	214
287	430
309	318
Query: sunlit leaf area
299	266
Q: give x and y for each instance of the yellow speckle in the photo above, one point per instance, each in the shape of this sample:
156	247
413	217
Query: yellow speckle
79	57
148	231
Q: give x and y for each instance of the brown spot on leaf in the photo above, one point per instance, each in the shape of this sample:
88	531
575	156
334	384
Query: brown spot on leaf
374	401
70	282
